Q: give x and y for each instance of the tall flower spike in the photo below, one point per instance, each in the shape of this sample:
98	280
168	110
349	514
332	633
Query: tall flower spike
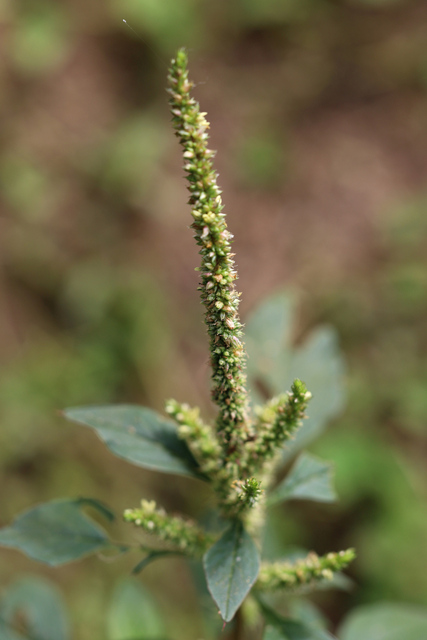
218	293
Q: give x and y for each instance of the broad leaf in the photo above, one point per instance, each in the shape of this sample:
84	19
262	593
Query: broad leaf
280	628
309	479
274	363
294	630
321	366
231	568
38	604
138	435
151	557
268	336
272	633
305	611
133	614
386	622
55	533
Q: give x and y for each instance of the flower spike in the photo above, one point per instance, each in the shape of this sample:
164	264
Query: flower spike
218	292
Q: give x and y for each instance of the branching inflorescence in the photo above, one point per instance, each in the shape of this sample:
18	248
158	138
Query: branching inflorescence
238	453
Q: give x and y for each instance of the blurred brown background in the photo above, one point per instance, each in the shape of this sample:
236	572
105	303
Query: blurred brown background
318	109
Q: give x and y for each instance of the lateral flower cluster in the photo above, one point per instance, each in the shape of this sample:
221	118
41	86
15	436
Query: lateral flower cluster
276	422
181	534
306	572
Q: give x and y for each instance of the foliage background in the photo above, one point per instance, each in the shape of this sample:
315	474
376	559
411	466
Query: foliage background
318	110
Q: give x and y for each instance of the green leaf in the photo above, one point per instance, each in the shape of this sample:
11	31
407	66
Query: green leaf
386	622
309	479
231	568
39	605
268	337
138	435
133	614
294	630
320	364
272	633
55	533
102	508
306	612
274	363
279	628
151	557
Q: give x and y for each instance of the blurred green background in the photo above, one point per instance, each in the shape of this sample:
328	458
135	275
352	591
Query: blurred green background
319	111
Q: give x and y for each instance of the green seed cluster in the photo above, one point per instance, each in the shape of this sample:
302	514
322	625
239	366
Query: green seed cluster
247	493
218	293
234	495
276	422
182	534
200	438
306	572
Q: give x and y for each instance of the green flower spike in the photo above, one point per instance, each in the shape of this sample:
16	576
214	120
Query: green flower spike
277	422
303	573
217	289
182	534
199	437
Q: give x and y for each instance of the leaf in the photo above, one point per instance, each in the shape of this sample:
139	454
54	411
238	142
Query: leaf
102	508
306	612
231	568
294	630
55	533
138	435
39	605
272	633
151	557
268	334
309	479
133	614
274	363
386	622
279	628
321	366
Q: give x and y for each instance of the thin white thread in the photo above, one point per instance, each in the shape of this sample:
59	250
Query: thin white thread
146	44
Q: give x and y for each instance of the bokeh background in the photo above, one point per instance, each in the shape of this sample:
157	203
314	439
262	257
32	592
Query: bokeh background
319	111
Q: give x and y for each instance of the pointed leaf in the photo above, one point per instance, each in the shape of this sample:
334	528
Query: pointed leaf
309	479
231	568
7	632
294	630
151	557
268	333
39	604
274	363
133	614
320	364
308	613
140	436
386	622
99	506
280	628
55	533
